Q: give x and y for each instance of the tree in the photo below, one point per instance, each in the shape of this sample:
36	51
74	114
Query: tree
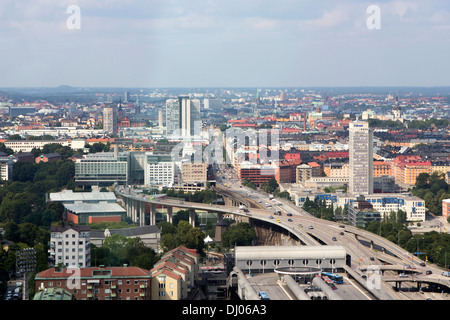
167	227
139	255
241	234
169	241
194	239
115	242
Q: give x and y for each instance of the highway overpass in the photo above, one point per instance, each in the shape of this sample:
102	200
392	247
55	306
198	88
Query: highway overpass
309	230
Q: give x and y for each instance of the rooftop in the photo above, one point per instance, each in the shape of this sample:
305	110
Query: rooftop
69	195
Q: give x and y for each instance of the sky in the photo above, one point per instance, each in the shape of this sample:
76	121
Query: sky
224	43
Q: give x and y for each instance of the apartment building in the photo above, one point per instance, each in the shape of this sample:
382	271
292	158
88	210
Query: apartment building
303	173
336	170
98	283
445	208
381	168
6	168
286	171
175	274
194	172
70	246
441	167
407	168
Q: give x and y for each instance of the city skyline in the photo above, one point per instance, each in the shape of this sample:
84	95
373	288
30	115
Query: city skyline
220	44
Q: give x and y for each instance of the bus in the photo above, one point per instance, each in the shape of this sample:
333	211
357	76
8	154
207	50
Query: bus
264	296
334	277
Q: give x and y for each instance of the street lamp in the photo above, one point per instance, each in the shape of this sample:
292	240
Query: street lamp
26	264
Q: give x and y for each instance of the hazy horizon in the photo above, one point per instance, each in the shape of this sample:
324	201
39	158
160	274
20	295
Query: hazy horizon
217	44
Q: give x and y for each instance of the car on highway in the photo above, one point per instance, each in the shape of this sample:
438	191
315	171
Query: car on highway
270	217
341	233
403	275
300	225
278	220
428	272
311	227
290	220
334	239
289	214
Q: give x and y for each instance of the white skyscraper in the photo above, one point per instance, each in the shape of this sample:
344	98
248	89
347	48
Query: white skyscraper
110	119
360	158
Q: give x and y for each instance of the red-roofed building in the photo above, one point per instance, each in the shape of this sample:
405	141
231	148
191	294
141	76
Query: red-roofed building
406	169
286	171
316	169
337	154
175	274
292	156
381	168
244	125
98	283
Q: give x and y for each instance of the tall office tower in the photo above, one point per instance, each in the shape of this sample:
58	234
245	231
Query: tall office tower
173	116
160	119
182	115
190	115
126	96
110	119
137	106
360	158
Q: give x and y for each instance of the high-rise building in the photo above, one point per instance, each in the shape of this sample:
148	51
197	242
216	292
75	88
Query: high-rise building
182	115
360	158
110	119
160	119
126	96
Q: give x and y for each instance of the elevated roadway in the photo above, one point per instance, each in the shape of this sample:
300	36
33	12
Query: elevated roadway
365	248
308	229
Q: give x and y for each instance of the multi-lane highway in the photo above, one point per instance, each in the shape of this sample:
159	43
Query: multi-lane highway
356	241
314	231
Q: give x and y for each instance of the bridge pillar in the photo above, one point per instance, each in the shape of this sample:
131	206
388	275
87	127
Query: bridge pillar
169	214
127	206
152	214
192	217
135	211
131	204
142	213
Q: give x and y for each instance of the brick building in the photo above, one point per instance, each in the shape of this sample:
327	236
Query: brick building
98	283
